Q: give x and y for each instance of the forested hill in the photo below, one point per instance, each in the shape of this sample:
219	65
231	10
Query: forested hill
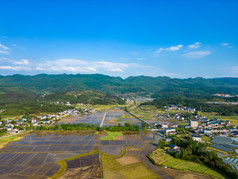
156	86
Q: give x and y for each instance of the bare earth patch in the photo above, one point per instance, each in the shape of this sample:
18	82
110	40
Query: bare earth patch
118	137
127	160
192	176
68	119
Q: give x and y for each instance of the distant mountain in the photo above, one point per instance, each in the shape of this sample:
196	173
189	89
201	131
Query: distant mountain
139	85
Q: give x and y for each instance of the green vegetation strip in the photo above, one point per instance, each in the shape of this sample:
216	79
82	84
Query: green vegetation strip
111	135
5	140
217	150
160	157
63	164
206	139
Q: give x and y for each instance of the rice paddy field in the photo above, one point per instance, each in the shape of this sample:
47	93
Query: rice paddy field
75	154
82	154
110	117
85	154
225	144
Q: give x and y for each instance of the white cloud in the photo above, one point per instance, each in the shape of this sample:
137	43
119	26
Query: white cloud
74	66
15	68
172	48
195	45
196	54
224	44
22	62
134	53
141	58
4	47
80	66
115	70
4	52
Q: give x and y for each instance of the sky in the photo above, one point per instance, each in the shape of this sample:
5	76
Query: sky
179	39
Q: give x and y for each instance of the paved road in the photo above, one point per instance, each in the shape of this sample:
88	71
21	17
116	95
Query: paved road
103	119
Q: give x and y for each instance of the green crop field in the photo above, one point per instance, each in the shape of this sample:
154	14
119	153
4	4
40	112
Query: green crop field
145	112
160	157
111	135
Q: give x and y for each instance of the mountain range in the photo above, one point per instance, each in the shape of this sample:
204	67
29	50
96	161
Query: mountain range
134	85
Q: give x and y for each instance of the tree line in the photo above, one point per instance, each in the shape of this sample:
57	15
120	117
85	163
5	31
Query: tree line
83	126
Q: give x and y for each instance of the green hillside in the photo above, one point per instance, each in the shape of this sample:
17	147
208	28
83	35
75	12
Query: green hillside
142	85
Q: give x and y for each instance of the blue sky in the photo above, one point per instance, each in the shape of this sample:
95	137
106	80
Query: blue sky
181	39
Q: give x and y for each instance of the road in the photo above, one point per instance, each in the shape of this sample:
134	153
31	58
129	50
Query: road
103	119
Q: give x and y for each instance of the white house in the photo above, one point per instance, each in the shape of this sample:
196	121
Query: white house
193	123
170	131
164	126
197	138
207	131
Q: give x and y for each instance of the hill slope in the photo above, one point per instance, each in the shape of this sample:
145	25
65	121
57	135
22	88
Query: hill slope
158	86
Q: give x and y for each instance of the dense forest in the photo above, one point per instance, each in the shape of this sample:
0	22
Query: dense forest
21	94
142	85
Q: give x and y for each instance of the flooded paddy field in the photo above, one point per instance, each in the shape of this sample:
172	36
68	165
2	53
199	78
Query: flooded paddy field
85	167
224	143
106	118
37	155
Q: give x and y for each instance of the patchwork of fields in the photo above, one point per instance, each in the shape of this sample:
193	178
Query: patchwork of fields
106	118
37	155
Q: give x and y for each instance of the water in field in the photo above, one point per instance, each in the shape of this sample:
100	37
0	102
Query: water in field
37	154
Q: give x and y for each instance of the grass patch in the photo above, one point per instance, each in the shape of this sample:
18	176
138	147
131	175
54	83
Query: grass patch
111	135
113	169
206	139
11	117
160	157
145	112
5	140
63	164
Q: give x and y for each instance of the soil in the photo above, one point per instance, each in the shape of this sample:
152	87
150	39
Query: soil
127	160
118	137
68	119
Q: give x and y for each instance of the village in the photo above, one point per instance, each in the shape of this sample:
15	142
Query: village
16	126
220	134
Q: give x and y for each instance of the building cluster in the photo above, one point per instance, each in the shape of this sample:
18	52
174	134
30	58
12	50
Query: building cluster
18	125
202	126
179	108
224	95
167	115
213	126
